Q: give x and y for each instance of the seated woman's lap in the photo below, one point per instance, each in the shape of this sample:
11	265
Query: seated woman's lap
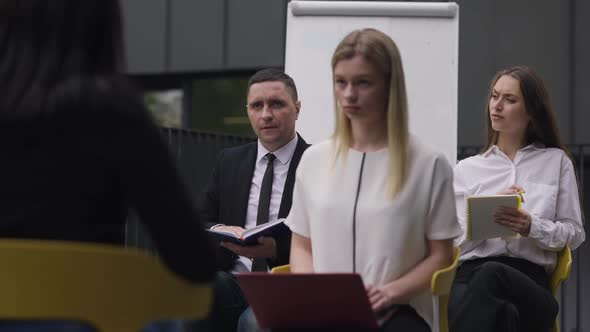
405	319
509	287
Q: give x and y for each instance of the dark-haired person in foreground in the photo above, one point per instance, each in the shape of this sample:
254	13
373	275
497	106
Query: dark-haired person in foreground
503	284
78	146
233	196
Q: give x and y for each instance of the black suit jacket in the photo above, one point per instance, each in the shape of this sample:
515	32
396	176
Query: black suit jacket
225	200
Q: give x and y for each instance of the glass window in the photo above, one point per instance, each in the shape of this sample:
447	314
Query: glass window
219	105
165	106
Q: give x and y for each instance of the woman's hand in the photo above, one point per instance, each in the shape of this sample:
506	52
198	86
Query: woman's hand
516	219
381	298
513	189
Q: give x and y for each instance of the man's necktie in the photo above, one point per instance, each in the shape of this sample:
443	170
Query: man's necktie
259	264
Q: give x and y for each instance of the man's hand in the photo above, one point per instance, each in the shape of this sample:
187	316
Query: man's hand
266	248
235	230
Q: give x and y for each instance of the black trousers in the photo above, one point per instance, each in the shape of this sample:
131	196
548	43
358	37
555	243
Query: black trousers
228	305
501	294
405	319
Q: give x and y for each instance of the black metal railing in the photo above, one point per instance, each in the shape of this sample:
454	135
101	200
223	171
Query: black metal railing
196	153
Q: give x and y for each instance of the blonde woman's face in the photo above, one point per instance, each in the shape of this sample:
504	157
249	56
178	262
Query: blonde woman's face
360	89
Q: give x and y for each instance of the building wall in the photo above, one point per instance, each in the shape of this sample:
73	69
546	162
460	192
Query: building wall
187	36
495	34
581	69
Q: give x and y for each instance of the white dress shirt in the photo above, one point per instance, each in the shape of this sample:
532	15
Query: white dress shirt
280	170
551	198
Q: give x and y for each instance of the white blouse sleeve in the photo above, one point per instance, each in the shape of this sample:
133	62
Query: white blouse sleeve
298	219
442	214
567	228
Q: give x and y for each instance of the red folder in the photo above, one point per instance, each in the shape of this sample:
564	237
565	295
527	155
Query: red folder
314	300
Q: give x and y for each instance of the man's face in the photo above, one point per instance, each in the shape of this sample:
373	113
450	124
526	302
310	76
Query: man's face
272	113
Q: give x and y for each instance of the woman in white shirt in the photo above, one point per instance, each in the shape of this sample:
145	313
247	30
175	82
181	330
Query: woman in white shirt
372	200
503	284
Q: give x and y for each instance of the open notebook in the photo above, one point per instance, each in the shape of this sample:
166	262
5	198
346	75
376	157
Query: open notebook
251	235
308	300
480	216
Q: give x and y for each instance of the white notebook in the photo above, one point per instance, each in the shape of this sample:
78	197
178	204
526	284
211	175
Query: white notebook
480	216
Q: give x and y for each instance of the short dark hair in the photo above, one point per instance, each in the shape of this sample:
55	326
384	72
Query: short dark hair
274	75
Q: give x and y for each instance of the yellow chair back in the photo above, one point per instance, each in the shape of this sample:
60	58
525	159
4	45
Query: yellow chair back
562	269
281	269
110	287
560	274
440	286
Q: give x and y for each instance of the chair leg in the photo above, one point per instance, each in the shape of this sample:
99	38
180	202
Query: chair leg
440	321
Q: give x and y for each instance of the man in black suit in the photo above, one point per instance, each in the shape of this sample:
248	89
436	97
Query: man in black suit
233	199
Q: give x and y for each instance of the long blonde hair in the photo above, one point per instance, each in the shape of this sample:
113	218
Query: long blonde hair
378	48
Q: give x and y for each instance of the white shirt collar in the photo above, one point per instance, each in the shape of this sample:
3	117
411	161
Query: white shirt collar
284	154
533	146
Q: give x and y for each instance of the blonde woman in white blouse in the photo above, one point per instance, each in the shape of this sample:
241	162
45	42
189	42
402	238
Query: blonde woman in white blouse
373	200
503	284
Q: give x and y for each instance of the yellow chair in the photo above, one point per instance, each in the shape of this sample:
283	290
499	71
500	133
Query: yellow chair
112	288
281	269
560	274
442	281
440	285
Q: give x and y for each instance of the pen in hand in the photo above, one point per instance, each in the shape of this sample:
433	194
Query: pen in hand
521	193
